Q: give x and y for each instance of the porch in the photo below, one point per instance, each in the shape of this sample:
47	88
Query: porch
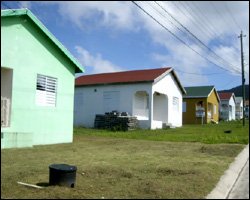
151	112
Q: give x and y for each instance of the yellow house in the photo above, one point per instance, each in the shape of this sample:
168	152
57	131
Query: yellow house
200	105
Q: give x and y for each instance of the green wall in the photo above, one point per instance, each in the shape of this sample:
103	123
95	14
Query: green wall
28	51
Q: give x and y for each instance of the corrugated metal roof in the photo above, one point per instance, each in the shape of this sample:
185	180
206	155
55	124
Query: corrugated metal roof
148	75
134	76
225	95
19	12
198	91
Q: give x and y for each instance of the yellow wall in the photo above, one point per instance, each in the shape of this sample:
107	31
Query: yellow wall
214	101
189	116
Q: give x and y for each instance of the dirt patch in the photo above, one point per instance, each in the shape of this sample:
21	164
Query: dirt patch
175	172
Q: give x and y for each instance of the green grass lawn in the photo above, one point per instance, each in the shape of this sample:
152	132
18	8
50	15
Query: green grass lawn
142	167
209	133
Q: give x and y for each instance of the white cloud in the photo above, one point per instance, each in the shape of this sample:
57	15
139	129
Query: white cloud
212	17
204	21
111	14
95	64
184	61
212	22
230	54
182	57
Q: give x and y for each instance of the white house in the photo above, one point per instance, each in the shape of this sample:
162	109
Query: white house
154	96
239	108
227	106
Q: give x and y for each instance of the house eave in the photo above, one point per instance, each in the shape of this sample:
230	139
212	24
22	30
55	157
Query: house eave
217	95
116	83
194	97
175	76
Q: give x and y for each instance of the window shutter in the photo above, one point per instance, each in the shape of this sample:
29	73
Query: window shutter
46	91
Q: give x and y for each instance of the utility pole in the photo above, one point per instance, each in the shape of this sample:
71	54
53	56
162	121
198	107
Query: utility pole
243	76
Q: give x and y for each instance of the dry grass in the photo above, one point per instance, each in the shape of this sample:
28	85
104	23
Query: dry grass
118	168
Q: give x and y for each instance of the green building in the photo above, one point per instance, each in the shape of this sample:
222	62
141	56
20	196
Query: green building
37	83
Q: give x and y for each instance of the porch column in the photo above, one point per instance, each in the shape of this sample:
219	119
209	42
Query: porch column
151	108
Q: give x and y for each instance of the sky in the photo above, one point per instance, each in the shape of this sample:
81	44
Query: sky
198	39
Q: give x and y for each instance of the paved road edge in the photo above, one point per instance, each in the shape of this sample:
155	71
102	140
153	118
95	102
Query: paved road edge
227	181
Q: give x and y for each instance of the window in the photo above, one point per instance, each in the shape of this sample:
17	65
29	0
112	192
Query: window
184	106
176	103
46	90
215	108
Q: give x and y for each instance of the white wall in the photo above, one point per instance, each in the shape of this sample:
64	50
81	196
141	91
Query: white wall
89	101
227	114
232	103
169	87
239	108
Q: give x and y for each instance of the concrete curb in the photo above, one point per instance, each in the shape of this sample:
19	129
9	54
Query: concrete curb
227	181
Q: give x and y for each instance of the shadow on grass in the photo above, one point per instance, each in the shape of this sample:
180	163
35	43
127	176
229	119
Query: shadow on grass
43	184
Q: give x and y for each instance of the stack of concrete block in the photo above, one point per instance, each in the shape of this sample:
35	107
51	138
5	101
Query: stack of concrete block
116	121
